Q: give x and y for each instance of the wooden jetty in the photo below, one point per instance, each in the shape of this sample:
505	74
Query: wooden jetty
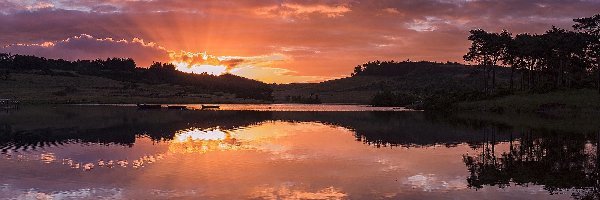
149	106
177	107
210	106
9	104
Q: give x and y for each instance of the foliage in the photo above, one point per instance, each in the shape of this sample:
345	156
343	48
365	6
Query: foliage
5	75
488	49
427	85
388	98
393	68
312	99
591	26
554	60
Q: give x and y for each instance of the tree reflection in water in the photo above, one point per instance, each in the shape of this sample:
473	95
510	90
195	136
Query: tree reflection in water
556	161
506	155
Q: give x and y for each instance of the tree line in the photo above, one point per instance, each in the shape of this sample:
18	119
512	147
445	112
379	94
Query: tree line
500	64
394	68
125	69
556	59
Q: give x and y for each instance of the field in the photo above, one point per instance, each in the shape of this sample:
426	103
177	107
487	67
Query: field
581	101
38	88
358	90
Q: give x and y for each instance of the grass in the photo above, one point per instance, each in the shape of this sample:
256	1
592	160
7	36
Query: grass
580	101
579	123
344	90
32	88
421	80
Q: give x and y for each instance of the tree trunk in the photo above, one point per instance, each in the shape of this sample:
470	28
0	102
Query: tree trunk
512	72
598	78
559	74
485	78
530	77
522	80
493	78
597	150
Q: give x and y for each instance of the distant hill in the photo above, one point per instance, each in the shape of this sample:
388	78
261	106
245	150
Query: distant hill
421	79
37	79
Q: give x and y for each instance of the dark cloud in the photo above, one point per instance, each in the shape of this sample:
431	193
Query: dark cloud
232	63
104	9
88	47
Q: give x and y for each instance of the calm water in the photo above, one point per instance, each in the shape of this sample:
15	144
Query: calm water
282	107
90	152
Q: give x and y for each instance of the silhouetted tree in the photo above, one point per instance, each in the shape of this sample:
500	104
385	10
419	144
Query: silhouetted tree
488	50
591	26
556	59
393	68
524	54
162	66
564	57
357	70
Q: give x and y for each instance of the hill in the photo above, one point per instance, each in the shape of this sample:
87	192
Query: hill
39	80
419	80
39	88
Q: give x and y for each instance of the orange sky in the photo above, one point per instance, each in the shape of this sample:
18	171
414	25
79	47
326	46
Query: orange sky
270	40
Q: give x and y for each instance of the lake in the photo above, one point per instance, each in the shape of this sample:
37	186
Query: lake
287	152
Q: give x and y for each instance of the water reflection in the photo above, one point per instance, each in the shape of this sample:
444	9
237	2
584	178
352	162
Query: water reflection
556	161
195	140
123	152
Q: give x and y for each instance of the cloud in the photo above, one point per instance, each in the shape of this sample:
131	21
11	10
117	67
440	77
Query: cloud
104	9
230	62
391	10
430	182
288	191
287	10
40	5
87	47
12	6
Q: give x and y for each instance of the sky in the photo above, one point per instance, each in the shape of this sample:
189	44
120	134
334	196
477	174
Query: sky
279	41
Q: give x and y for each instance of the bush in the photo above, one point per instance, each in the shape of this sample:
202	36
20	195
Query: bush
388	98
66	91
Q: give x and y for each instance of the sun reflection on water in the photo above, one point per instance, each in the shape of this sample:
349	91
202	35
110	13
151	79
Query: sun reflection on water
191	141
195	140
195	134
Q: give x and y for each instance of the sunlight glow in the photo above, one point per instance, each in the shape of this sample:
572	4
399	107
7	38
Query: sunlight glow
199	69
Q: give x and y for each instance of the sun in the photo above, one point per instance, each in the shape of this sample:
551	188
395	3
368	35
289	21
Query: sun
200	68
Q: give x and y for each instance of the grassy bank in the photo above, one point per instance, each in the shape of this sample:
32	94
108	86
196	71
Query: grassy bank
34	88
355	90
579	123
559	103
